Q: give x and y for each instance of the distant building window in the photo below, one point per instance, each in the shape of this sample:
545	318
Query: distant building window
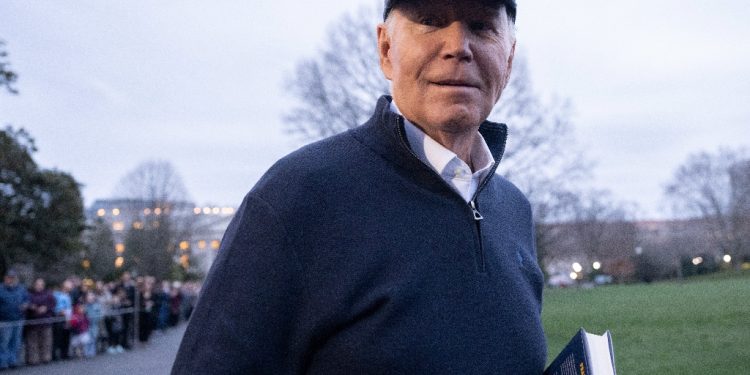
115	211
118	226
120	248
202	244
101	212
215	244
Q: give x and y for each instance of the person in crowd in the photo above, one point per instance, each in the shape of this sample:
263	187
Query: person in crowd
146	312
175	301
113	323
162	306
126	290
77	289
61	330
189	297
14	300
94	314
79	328
39	334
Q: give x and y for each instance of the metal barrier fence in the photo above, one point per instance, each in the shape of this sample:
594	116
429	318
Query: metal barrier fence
60	319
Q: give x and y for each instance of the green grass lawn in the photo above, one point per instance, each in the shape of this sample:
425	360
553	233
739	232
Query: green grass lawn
698	326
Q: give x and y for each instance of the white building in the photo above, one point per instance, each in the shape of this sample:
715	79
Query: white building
204	225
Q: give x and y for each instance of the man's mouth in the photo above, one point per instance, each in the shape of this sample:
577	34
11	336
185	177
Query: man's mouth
455	83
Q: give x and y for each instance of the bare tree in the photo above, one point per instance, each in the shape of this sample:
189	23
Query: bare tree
158	199
337	90
713	187
154	181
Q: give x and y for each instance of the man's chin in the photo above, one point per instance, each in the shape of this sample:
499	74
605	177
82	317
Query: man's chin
460	116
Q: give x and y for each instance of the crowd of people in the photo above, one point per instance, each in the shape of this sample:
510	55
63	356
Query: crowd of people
80	318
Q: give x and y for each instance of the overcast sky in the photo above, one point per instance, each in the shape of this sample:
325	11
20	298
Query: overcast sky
106	85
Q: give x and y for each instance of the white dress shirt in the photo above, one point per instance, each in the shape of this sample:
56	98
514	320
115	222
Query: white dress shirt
446	163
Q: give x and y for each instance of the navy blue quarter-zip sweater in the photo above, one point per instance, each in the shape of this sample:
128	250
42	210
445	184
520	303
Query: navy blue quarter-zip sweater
351	256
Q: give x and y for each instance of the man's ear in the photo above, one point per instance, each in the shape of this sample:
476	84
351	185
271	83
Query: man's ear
510	63
384	49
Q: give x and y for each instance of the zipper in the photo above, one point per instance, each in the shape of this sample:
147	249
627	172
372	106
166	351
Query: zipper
472	203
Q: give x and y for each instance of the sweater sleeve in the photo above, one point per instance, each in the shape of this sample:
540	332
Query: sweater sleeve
244	320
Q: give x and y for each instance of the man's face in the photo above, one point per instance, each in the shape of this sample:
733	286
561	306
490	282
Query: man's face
10	280
39	285
448	61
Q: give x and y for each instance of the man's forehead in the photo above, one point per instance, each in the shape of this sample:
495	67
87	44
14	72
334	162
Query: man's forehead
491	4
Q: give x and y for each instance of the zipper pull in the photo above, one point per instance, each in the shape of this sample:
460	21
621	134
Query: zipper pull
477	215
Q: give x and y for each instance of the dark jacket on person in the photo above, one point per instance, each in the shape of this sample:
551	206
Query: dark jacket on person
351	256
12	299
37	299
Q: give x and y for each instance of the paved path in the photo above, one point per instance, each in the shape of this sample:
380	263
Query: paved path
154	358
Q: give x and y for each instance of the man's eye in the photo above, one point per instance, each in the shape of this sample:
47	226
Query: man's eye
479	26
428	21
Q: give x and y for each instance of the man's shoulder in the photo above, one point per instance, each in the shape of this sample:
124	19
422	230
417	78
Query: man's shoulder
314	164
509	190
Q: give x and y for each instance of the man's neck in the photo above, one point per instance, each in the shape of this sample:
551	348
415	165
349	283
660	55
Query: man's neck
461	143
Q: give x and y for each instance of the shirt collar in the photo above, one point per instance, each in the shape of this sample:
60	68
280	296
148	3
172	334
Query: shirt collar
436	155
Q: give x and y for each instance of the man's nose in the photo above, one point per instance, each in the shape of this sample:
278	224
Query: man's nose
457	41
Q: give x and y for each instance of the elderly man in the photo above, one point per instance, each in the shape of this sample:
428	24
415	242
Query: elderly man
13	302
391	248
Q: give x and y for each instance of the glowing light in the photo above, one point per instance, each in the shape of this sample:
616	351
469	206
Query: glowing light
118	226
120	248
184	245
101	212
157	211
147	211
216	210
119	262
573	275
206	210
202	244
597	265
215	244
155	223
185	261
197	210
697	260
116	211
577	267
727	258
227	210
86	264
137	225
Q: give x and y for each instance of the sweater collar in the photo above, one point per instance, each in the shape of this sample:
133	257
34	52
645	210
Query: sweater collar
495	134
